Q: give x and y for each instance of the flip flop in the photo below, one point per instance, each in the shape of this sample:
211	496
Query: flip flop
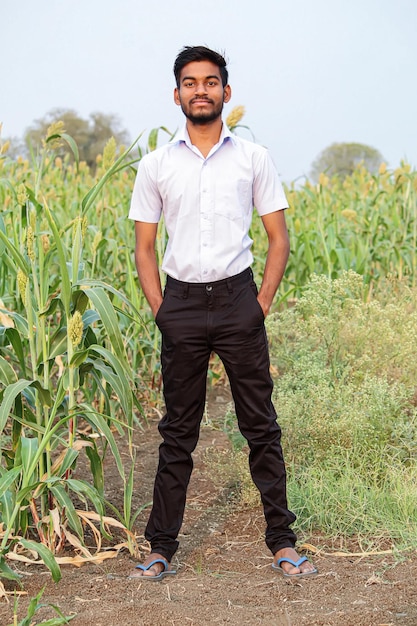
165	572
296	564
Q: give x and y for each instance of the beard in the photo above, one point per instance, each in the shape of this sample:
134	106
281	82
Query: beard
203	117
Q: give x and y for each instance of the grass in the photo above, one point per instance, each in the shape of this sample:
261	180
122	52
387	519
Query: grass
345	396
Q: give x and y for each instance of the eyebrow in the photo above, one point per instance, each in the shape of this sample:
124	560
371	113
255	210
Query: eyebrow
206	78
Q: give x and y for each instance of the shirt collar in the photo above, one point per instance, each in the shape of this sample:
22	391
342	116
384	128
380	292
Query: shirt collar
182	135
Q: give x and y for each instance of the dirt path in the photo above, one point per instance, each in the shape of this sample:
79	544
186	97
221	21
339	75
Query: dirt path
224	570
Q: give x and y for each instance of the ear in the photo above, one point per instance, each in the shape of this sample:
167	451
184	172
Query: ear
177	96
227	93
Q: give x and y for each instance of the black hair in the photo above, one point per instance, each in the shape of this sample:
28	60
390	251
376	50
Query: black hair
200	53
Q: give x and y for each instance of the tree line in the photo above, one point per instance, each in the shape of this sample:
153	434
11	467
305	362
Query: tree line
92	134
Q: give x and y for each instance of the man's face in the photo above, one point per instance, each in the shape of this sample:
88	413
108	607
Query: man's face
201	94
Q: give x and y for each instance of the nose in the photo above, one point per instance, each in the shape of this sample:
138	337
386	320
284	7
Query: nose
200	88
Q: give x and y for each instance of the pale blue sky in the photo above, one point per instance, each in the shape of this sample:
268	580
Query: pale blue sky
309	72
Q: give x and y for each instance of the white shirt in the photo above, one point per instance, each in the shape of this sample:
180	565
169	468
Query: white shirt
207	203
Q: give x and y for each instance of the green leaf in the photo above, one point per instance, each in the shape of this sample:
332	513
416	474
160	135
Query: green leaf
10	394
32	197
12	391
309	257
43	394
19	412
102	303
3	230
89	317
46	556
8	503
99	283
128	496
70	457
101	426
65	501
114	361
83	488
8	478
120	386
30	446
65	281
6	572
32	608
153	137
79	301
58	344
50	308
96	466
18	258
23	492
7	373
72	144
57	621
21	324
14	337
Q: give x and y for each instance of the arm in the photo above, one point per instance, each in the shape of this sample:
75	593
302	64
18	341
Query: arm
146	263
277	257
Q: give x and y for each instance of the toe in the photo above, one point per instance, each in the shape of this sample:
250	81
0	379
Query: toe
153	571
288	568
307	567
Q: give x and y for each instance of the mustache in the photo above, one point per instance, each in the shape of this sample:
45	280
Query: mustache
196	99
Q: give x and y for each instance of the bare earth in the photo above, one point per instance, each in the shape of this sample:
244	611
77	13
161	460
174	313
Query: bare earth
224	568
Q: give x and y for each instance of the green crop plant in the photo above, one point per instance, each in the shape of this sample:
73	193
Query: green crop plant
66	378
365	223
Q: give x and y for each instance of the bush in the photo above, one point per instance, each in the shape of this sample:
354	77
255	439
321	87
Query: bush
344	392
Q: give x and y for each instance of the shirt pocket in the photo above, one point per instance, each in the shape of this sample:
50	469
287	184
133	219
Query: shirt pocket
234	201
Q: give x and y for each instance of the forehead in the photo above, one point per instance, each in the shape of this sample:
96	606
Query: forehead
200	69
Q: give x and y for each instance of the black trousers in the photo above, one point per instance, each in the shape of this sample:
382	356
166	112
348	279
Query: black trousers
224	317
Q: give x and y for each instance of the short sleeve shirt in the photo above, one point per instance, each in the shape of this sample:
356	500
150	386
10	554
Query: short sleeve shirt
207	203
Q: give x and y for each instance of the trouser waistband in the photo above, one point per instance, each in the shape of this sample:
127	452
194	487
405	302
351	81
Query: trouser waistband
216	285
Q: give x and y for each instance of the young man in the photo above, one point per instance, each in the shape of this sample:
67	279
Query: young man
206	183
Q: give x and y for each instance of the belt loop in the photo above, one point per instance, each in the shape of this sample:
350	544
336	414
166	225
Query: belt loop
229	284
185	290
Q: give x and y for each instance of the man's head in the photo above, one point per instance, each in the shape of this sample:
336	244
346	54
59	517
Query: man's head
200	53
202	86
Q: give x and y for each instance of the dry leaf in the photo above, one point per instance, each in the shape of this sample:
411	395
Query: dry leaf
77	560
76	543
5	320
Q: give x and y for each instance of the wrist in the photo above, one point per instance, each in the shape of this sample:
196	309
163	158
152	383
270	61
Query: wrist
265	305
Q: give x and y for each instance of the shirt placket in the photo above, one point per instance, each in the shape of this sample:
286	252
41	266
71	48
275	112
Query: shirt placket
206	219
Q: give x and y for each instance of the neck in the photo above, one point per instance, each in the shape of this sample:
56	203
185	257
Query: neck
205	136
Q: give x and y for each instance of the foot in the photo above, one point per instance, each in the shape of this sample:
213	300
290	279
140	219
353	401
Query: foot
288	569
150	572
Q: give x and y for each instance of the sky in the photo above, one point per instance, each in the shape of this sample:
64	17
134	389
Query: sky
308	72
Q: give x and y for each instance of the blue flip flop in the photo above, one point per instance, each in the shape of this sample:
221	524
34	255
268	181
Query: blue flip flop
165	572
303	559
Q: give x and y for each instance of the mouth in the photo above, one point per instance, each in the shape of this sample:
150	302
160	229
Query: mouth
201	101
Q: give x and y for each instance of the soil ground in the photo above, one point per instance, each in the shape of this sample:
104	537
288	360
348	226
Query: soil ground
224	568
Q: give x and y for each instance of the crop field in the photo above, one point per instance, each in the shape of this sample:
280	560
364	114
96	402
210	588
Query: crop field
79	358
